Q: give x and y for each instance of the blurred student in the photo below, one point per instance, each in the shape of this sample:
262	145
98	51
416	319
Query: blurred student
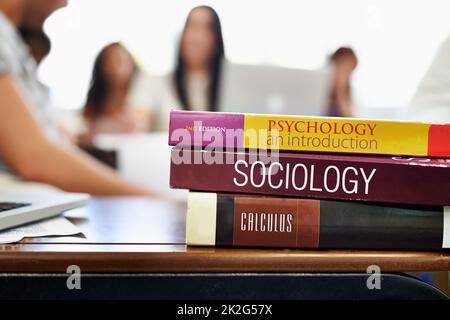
344	62
431	101
38	43
201	51
39	46
107	109
28	137
194	84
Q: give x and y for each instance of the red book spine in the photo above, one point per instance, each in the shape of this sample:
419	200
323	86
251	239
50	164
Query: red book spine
378	179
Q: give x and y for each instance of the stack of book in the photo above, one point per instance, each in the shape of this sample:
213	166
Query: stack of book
312	182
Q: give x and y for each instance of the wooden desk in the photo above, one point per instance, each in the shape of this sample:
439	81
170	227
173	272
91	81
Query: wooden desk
135	235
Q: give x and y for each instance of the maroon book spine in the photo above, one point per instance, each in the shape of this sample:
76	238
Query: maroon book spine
379	179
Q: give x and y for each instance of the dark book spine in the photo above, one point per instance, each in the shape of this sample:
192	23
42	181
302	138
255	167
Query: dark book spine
306	223
377	179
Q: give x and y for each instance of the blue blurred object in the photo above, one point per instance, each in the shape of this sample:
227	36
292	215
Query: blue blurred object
424	276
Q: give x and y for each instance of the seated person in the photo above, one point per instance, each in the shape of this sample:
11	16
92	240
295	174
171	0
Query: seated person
107	109
38	43
29	142
344	62
195	82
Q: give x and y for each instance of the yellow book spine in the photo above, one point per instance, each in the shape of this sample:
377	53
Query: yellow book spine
298	133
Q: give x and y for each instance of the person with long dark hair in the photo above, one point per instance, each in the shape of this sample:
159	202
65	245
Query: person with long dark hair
200	55
107	108
195	82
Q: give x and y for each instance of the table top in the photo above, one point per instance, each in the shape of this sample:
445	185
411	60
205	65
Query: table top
139	235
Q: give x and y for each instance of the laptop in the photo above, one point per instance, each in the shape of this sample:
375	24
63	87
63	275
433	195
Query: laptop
17	208
274	90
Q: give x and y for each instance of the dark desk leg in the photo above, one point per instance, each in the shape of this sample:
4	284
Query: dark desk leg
216	286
